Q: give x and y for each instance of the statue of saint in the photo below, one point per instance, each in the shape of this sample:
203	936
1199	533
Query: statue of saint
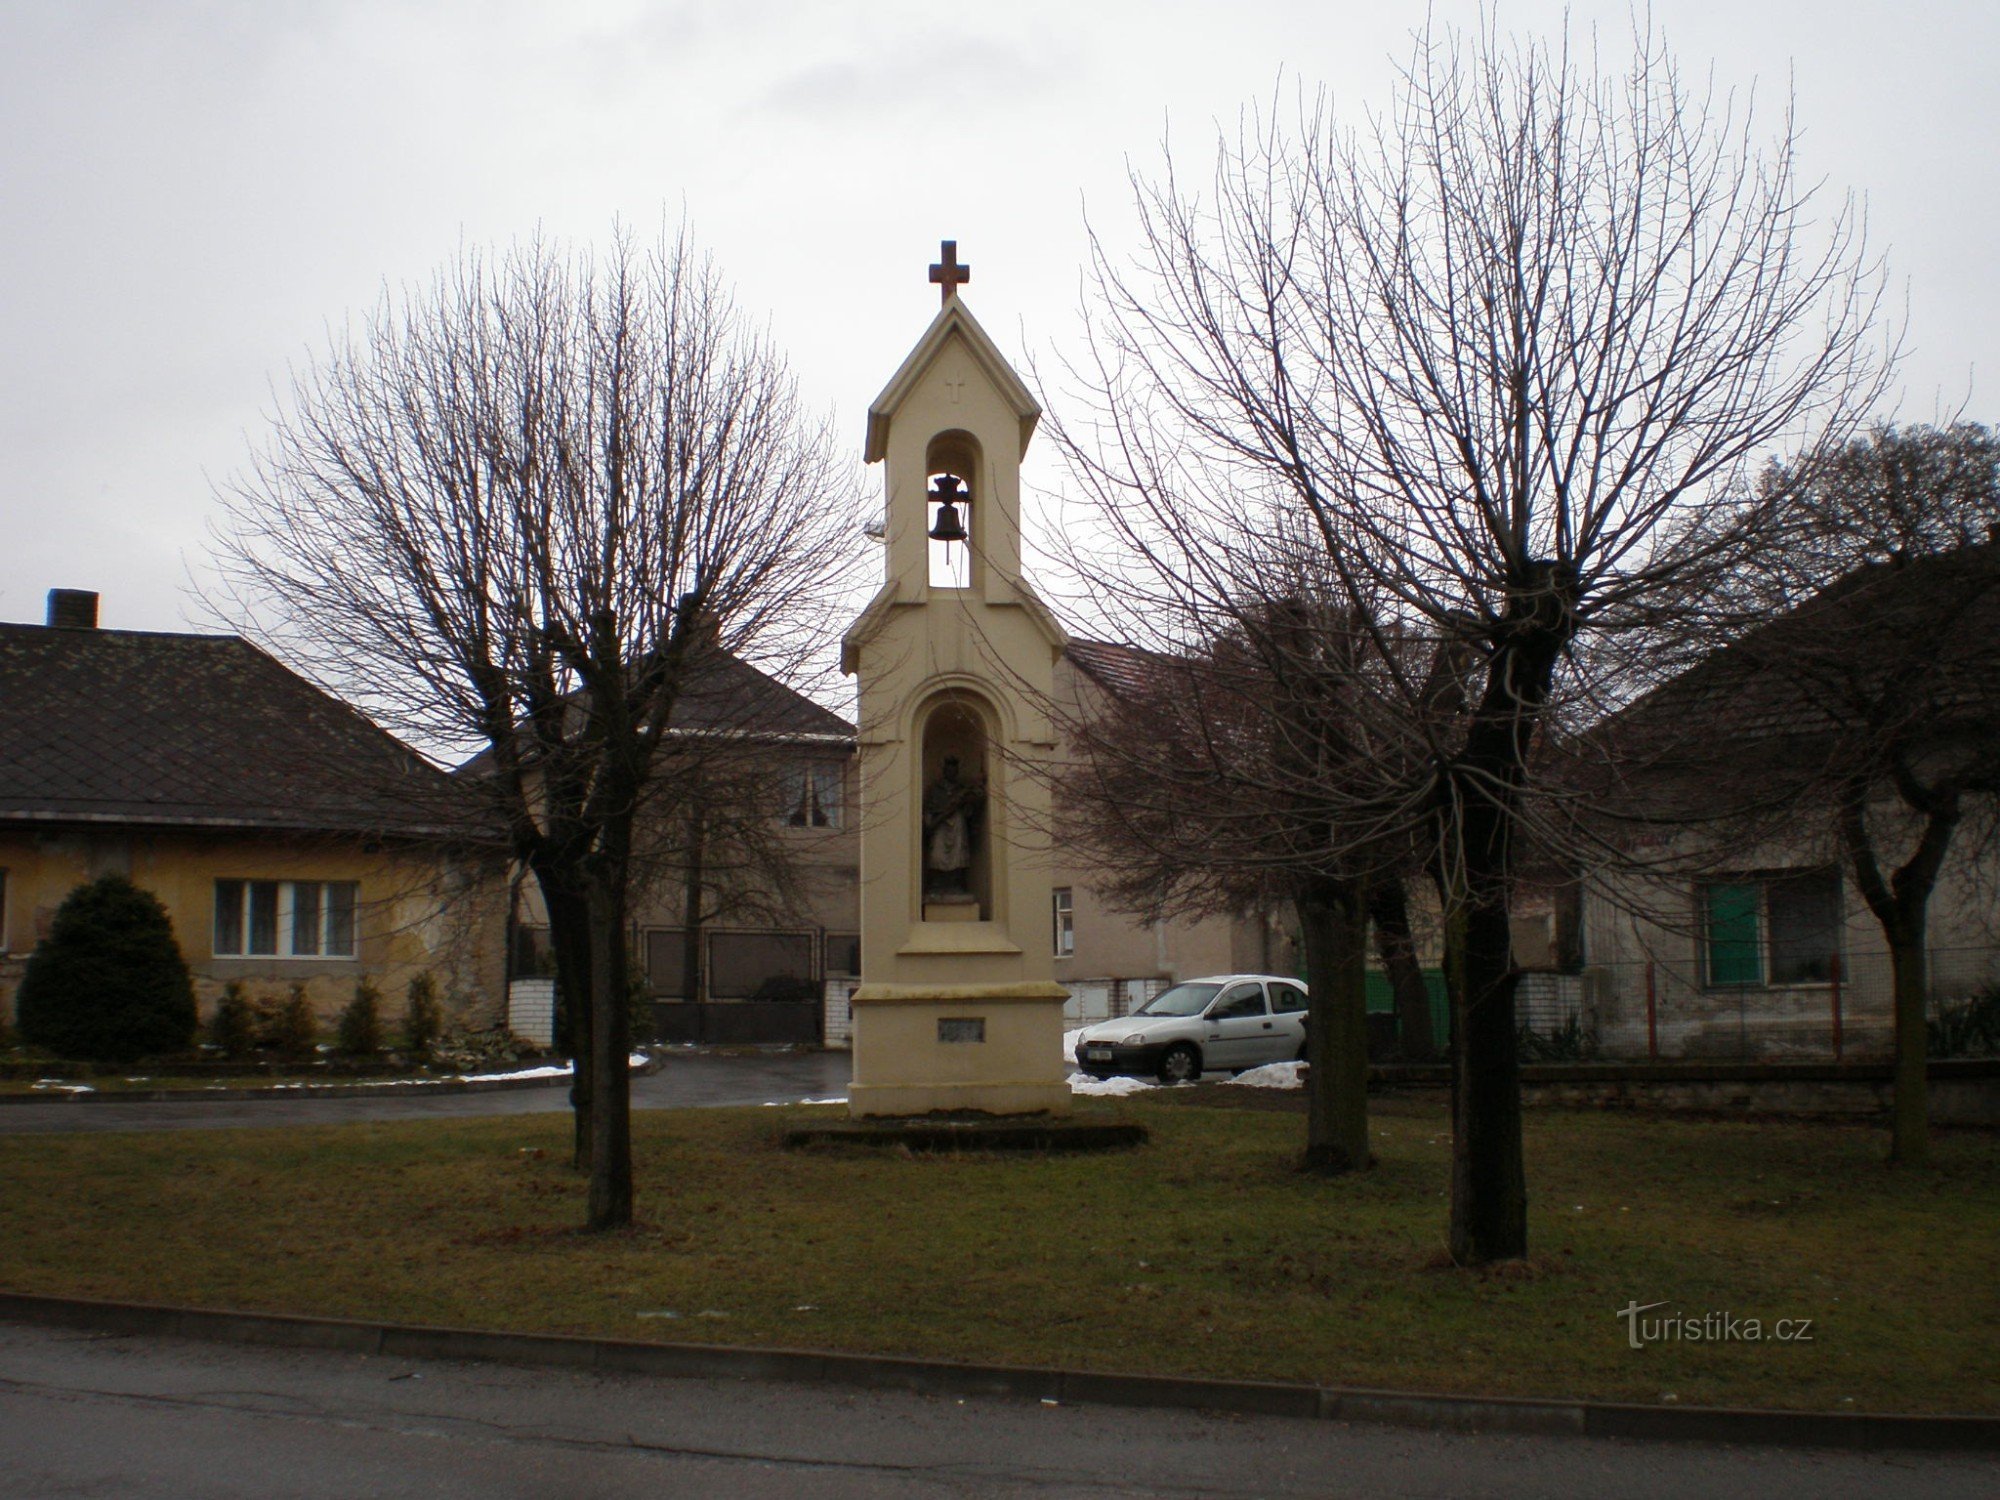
952	810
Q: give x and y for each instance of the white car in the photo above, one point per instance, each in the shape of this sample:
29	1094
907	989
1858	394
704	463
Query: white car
1228	1022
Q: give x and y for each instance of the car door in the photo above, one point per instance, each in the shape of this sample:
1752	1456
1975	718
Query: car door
1239	1028
1288	1009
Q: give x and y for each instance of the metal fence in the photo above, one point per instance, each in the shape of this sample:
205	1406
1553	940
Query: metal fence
1667	1010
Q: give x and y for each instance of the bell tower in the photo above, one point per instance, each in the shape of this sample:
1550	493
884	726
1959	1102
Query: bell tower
958	1008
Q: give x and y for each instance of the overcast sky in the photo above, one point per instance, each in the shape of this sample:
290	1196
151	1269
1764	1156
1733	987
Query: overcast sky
193	191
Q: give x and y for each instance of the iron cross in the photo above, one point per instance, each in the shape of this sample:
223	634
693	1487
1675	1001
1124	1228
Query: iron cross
949	275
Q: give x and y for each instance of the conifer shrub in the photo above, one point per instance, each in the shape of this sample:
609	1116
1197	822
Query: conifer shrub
108	984
423	1018
360	1030
294	1029
232	1030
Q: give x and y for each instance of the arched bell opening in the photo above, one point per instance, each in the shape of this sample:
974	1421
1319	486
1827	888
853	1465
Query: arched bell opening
955	859
953	469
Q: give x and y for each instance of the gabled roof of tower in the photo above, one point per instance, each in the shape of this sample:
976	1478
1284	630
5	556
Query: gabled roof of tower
953	318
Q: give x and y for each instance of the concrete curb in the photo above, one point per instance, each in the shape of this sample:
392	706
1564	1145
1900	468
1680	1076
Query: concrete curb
369	1090
1471	1414
226	1095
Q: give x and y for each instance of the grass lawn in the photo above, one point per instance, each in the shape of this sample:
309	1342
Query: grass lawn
1202	1253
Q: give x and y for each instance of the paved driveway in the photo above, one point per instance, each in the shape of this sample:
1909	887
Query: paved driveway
686	1080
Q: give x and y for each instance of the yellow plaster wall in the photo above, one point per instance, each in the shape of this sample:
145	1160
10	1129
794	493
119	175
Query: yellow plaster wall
416	912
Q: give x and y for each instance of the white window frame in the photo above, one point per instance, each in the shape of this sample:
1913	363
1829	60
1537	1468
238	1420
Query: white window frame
1062	903
813	795
287	911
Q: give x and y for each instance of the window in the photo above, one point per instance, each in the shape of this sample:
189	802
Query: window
812	795
1239	1001
1783	929
1287	999
1065	913
284	918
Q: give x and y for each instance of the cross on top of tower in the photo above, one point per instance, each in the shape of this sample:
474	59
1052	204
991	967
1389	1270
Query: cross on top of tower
949	275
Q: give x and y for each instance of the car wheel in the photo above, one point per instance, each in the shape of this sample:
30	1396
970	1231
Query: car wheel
1182	1064
1302	1053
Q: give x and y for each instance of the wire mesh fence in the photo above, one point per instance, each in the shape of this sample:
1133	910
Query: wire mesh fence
1671	1010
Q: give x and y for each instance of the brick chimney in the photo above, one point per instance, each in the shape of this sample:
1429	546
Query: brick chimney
74	609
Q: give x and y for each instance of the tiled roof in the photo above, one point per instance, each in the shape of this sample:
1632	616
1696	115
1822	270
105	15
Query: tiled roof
731	695
1117	669
124	726
1900	652
728	696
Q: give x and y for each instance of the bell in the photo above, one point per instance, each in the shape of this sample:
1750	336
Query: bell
948	527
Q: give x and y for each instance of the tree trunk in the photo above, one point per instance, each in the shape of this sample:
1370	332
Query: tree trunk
1333	927
1489	1189
1389	910
1489	1185
611	1046
569	938
691	923
1909	1113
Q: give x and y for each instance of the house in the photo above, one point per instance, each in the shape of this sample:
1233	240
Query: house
1111	960
1735	928
291	840
746	904
750	965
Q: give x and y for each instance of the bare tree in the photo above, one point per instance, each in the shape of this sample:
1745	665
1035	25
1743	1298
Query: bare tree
524	509
1503	362
1885	677
1246	776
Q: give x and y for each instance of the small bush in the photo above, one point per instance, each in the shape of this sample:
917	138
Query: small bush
233	1028
1968	1027
108	984
360	1033
1568	1042
424	1017
476	1051
292	1029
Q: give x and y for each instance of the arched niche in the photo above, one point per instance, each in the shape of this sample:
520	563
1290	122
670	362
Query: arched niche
956	782
956	453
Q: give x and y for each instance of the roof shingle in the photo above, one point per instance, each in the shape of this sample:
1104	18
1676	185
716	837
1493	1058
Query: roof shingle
124	726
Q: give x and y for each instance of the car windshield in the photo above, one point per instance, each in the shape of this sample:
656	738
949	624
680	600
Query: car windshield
1181	1000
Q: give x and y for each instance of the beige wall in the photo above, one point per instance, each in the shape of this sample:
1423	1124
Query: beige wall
1112	944
416	911
828	861
1643	938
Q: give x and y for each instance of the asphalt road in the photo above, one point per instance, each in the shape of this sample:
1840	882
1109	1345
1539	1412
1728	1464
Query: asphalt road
91	1415
685	1080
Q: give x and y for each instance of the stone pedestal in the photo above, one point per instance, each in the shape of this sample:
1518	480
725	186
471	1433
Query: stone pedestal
984	1047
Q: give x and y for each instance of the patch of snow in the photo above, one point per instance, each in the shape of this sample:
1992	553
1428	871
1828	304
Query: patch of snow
58	1086
1278	1075
1069	1044
547	1070
1083	1083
